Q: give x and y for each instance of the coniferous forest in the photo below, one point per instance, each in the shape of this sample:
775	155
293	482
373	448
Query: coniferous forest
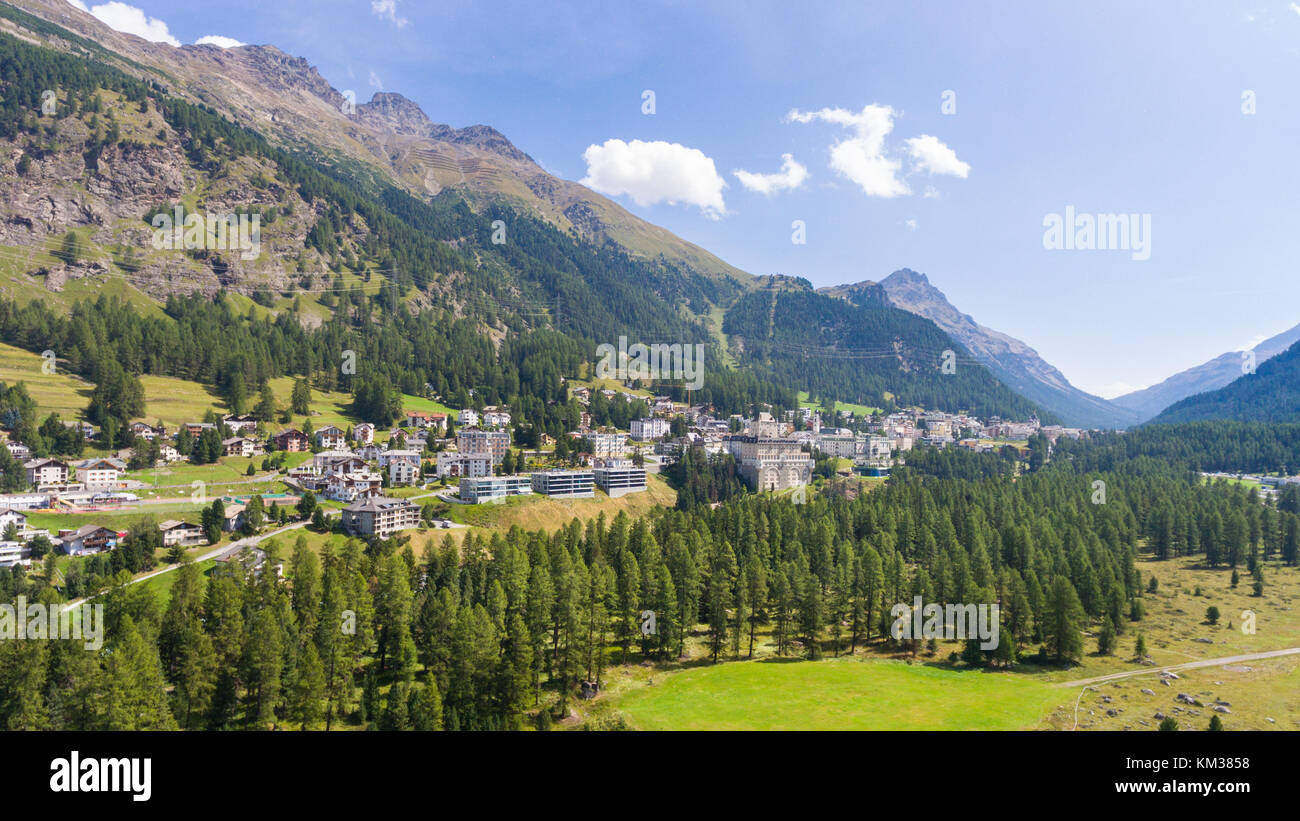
494	634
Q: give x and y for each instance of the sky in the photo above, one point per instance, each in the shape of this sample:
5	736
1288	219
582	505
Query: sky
945	137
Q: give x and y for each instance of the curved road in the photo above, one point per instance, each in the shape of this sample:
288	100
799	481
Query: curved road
233	547
1187	665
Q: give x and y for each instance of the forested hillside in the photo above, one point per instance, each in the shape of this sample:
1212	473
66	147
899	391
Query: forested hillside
500	631
838	350
1270	394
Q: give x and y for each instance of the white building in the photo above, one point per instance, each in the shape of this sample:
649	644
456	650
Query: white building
645	430
348	487
620	480
492	488
99	472
451	463
770	464
46	472
380	517
564	484
403	471
607	445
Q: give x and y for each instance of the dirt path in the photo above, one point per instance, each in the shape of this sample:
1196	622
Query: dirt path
1186	665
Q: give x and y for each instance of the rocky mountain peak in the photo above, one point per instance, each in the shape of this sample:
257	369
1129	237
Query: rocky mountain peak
388	109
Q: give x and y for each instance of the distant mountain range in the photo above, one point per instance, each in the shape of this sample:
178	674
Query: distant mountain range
1012	361
1210	376
1270	394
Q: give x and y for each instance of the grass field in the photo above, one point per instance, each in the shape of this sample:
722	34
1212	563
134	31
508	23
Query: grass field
878	689
836	694
59	392
856	410
532	512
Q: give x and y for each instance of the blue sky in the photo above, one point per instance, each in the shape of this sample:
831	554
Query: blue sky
1112	108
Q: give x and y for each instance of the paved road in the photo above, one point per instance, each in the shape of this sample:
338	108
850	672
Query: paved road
233	547
1187	665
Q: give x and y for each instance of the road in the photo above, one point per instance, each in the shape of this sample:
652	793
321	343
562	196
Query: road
1187	665
233	547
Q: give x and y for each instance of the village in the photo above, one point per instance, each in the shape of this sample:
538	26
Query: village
371	479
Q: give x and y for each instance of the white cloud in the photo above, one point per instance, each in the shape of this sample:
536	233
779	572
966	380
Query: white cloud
131	20
911	224
862	158
791	175
218	40
1295	8
77	4
654	172
375	82
933	157
387	9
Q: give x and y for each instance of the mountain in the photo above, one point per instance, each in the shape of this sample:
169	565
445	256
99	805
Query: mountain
287	100
1012	361
1270	394
1209	376
859	348
378	233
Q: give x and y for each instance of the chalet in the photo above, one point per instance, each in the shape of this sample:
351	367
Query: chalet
403	471
86	429
385	457
496	419
46	472
19	451
241	446
331	437
350	486
168	454
146	431
364	433
195	429
380	516
181	533
13	517
292	441
417	419
234	518
240	424
337	460
468	418
99	472
89	539
14	553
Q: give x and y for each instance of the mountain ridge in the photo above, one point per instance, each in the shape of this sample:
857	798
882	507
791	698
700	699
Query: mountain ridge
1206	377
1012	361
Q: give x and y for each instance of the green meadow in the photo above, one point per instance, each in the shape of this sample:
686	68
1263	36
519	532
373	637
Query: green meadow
837	694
